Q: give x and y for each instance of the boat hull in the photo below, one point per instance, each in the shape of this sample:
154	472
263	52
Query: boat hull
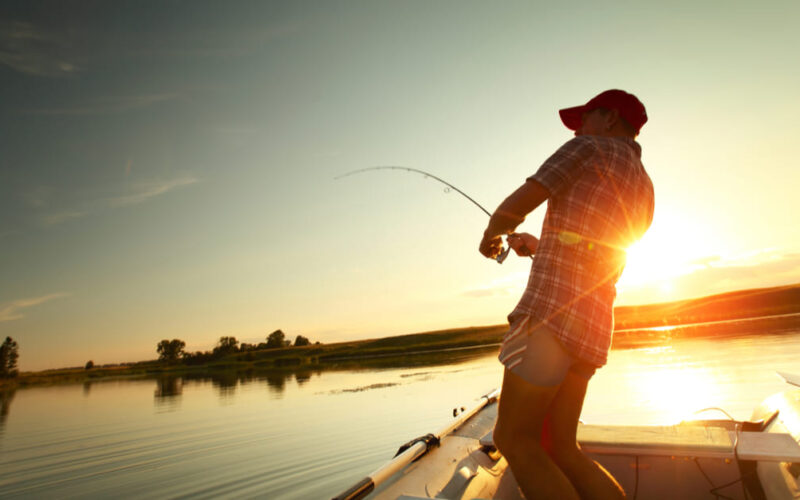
758	460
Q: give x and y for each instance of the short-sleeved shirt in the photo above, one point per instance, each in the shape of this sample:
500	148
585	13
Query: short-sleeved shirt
601	201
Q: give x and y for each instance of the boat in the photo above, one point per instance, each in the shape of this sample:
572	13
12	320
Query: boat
758	459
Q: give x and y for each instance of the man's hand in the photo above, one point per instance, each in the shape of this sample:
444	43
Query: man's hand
523	244
491	246
509	215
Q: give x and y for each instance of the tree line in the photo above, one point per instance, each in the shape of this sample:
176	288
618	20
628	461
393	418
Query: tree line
172	351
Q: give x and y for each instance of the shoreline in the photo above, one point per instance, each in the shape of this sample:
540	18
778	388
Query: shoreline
404	350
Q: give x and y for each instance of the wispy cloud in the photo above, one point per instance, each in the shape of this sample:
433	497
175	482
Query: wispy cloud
208	44
235	137
58	218
14	310
30	49
108	105
38	197
52	209
146	191
47	44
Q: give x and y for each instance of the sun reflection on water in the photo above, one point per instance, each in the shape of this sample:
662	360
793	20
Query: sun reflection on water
677	392
662	328
661	385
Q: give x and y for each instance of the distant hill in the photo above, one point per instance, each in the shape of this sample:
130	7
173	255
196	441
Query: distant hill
741	304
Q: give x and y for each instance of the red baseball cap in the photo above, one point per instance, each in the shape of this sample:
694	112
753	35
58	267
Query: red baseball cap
628	105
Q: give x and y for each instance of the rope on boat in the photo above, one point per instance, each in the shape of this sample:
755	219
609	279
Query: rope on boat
743	477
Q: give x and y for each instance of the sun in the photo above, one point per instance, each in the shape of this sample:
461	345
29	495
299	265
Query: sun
670	249
649	262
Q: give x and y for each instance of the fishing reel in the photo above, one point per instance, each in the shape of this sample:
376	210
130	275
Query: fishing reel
524	250
503	254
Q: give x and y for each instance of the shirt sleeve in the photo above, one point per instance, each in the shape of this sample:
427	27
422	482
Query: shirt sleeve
566	165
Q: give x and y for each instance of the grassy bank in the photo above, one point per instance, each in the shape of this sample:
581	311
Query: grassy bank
741	304
388	351
736	313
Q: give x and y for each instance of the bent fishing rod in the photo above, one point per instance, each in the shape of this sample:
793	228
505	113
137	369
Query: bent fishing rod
503	253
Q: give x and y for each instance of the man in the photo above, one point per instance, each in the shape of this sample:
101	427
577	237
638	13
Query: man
600	200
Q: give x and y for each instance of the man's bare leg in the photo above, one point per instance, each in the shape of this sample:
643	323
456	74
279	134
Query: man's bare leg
589	478
517	435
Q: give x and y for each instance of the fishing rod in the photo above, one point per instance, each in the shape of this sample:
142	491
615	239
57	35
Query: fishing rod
503	253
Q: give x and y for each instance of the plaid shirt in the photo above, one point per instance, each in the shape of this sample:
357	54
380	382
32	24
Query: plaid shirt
601	201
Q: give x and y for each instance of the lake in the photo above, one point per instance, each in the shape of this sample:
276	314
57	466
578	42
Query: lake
312	434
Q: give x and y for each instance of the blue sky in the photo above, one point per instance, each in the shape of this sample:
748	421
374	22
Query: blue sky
167	167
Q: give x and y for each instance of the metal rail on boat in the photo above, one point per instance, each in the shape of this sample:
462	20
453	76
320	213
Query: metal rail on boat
414	450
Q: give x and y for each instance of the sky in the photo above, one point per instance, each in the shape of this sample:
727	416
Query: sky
167	168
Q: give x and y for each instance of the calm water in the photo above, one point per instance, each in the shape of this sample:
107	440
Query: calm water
312	434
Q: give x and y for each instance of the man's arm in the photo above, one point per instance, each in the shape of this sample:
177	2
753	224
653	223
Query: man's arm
510	214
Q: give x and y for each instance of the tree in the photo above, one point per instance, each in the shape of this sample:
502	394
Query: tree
89	364
301	341
226	345
170	350
197	358
8	358
275	339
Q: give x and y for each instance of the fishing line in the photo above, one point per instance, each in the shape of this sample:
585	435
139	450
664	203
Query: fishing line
503	253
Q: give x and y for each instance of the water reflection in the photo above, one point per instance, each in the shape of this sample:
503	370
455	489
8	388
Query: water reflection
303	376
432	358
226	383
729	329
168	388
221	450
167	395
6	396
277	382
677	389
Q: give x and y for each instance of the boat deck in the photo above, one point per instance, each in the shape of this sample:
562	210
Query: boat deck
655	462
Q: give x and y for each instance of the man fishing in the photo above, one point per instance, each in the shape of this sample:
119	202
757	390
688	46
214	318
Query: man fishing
600	200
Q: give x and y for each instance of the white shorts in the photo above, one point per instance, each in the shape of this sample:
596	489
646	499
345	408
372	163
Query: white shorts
532	351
